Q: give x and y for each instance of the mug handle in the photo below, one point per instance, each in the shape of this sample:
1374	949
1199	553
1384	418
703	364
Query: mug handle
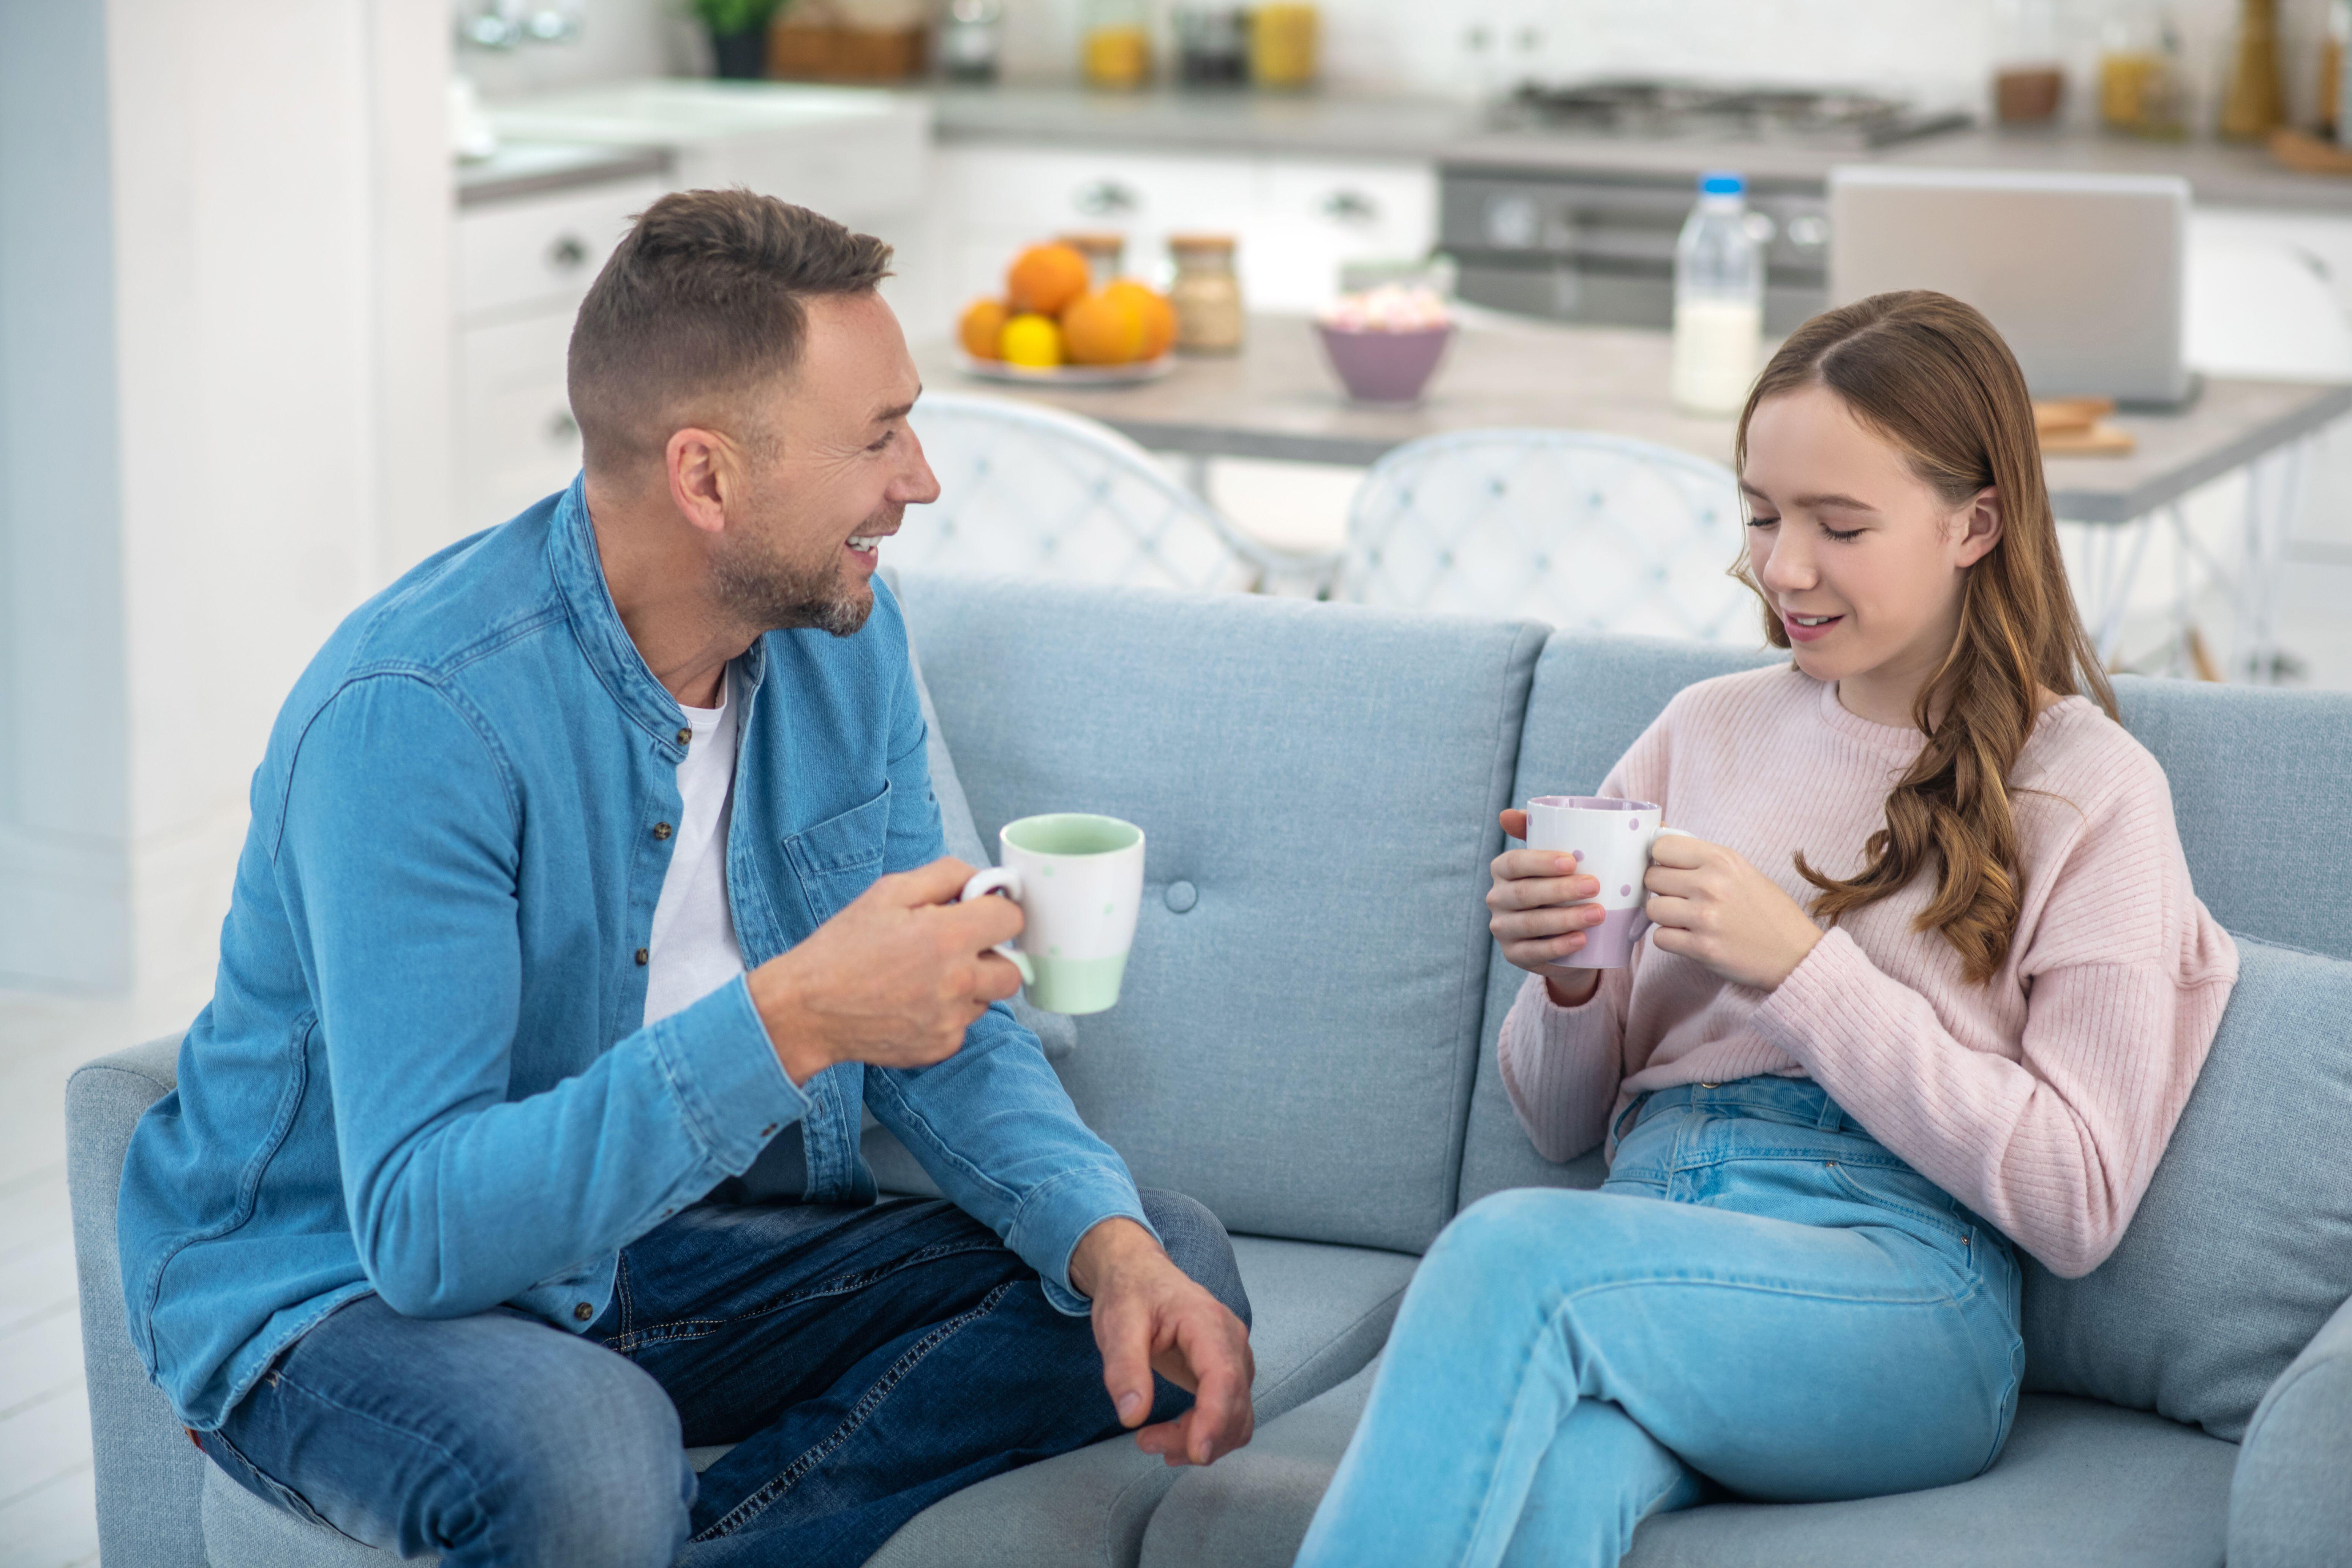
1002	880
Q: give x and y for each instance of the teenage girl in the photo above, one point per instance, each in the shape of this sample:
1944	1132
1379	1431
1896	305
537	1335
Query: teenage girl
1930	984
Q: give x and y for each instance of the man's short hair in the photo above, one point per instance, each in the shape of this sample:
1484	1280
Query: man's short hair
703	300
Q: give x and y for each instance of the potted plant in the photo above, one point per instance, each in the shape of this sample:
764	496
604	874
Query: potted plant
738	34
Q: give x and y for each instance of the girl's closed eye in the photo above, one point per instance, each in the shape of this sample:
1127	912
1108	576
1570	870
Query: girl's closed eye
1841	535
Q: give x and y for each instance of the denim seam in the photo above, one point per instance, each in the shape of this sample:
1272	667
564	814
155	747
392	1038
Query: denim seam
474	1487
662	1333
1599	1287
867	1404
298	1504
248	1185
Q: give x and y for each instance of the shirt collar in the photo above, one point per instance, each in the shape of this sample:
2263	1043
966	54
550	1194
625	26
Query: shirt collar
596	622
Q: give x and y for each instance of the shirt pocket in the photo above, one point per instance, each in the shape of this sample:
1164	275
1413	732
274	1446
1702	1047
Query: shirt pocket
838	858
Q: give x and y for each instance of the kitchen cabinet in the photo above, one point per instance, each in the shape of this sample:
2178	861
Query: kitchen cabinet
1298	220
523	265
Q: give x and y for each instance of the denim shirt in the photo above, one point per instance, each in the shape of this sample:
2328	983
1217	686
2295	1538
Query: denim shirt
421	1072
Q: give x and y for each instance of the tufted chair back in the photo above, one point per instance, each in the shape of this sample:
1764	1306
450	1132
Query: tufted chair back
1591	533
1028	491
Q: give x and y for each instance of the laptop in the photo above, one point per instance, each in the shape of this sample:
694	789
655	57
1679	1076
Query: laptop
2082	273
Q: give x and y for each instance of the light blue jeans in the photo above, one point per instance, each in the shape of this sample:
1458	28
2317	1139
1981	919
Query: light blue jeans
1803	1318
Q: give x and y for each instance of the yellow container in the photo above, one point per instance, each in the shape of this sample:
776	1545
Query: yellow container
1118	56
1282	45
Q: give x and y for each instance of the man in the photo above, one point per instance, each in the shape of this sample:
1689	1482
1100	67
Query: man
595	885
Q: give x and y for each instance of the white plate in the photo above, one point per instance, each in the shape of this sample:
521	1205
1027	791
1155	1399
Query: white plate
1068	375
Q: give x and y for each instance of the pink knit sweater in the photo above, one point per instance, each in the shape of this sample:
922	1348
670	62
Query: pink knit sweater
2043	1099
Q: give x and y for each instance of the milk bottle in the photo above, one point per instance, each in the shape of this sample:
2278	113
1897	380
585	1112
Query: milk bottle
1719	301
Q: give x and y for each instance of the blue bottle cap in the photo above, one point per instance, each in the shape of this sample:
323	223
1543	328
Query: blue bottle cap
1720	184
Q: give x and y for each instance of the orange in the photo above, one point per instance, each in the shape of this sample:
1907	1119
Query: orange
1159	316
1046	277
982	325
1030	340
1103	328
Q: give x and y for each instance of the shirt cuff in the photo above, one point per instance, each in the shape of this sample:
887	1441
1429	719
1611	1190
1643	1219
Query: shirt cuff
722	1067
1056	1217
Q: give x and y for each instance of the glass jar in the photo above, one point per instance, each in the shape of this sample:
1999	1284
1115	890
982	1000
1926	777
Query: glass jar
2142	90
1115	43
2253	101
1207	294
2028	83
971	39
1212	45
1103	253
1282	44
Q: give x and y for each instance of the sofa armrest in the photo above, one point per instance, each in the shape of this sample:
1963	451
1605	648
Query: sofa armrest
150	1477
2289	1504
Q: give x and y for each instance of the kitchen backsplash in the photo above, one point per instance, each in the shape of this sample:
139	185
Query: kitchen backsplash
1941	50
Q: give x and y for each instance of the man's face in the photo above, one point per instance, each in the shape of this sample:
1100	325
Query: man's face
835	476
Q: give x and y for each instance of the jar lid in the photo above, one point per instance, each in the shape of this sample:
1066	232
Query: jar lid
1094	244
1200	242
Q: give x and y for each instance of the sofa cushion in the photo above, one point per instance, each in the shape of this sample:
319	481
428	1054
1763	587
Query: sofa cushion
1318	786
2242	1246
1592	696
2080	1486
2258	781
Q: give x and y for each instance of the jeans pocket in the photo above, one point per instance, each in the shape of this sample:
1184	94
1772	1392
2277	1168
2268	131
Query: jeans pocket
1907	1195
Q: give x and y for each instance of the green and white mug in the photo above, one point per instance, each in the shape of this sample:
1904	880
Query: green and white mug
1078	879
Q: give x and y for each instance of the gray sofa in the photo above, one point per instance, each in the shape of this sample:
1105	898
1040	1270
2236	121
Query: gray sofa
1307	1044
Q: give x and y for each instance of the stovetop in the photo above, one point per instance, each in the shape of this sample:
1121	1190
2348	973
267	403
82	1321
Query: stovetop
1662	110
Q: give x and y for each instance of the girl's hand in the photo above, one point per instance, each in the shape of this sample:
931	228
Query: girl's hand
1709	904
1536	915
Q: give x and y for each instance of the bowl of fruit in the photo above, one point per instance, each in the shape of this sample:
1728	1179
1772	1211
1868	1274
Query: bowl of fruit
1054	324
1385	343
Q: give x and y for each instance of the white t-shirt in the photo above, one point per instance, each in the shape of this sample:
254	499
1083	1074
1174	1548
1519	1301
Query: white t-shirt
693	948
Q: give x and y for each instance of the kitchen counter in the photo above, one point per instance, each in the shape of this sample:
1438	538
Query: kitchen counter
1336	124
535	168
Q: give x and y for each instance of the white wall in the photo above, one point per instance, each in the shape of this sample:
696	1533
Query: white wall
213	452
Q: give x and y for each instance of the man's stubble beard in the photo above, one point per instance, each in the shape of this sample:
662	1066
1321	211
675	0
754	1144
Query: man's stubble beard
770	591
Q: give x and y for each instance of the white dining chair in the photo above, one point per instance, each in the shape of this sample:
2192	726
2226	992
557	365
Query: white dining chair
1031	491
1587	531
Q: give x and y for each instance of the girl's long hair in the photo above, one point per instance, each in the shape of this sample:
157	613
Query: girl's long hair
1931	376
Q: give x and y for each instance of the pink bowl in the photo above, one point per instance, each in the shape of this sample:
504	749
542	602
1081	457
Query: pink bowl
1391	369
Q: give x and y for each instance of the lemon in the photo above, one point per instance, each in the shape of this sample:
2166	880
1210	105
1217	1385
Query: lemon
1032	340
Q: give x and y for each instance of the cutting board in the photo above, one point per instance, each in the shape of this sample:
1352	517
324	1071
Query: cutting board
2077	428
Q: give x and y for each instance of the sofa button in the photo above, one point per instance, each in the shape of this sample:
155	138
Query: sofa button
1183	895
583	1311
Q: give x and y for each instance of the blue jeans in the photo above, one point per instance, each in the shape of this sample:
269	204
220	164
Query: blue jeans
865	1361
1803	1318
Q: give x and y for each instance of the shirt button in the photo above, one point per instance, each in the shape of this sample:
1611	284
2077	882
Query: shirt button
643	957
582	1312
661	830
686	737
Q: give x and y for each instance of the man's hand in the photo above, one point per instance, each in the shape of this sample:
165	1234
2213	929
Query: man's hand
1150	1317
895	979
1709	904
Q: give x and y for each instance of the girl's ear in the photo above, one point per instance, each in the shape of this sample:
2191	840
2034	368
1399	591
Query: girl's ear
1979	527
